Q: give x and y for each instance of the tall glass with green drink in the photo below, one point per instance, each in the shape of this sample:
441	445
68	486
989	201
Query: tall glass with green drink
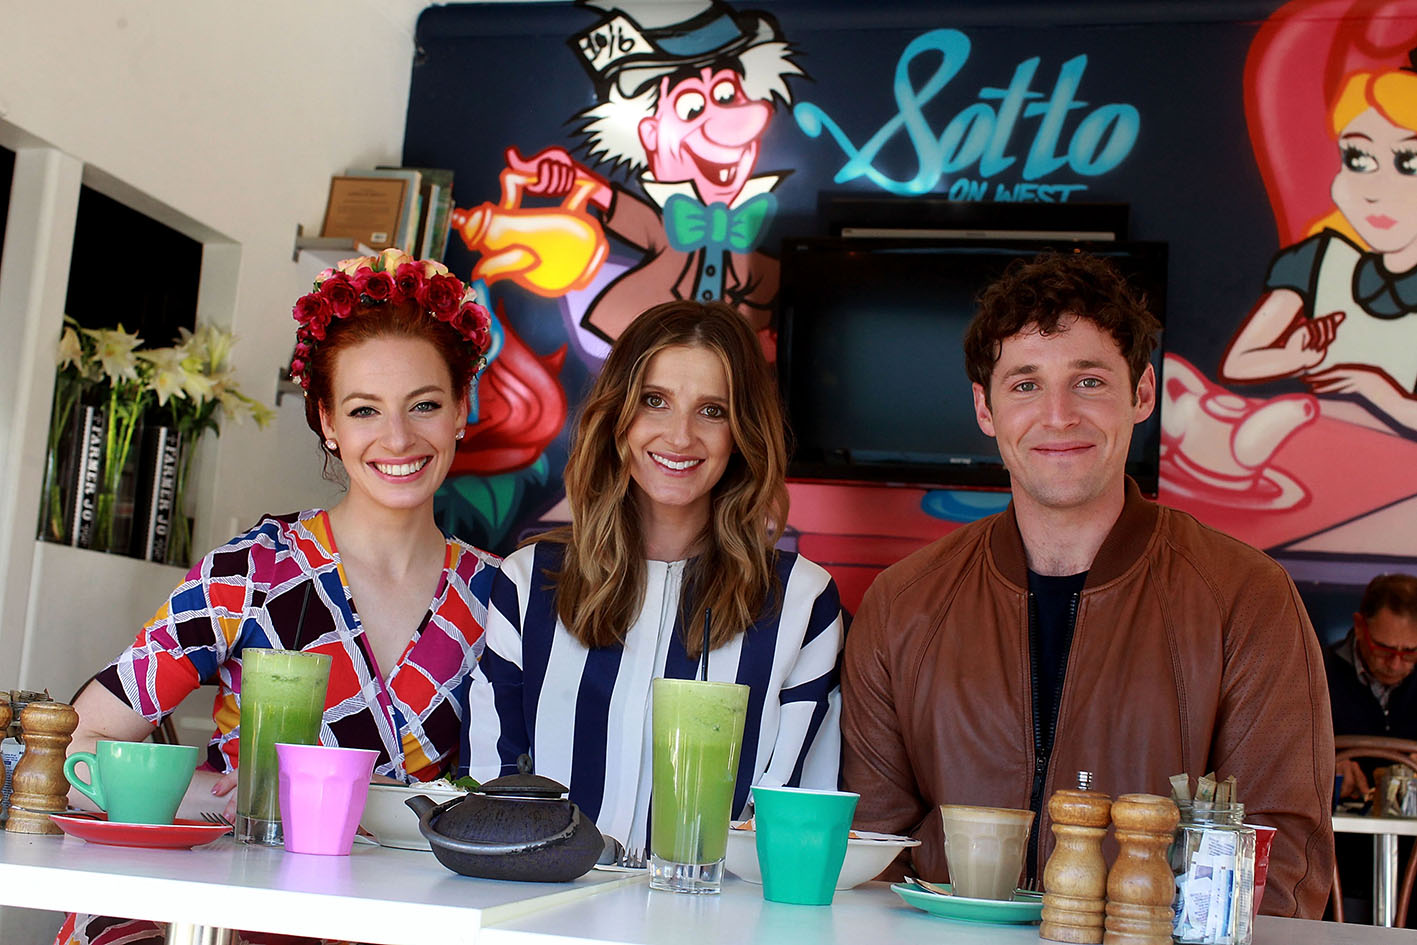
698	733
282	700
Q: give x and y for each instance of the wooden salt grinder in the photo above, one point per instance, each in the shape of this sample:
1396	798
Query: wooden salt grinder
39	784
5	712
1075	879
1141	887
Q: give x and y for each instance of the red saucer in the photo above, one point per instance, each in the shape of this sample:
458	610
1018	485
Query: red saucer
181	835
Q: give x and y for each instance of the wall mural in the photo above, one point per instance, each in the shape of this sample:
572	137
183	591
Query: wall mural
1331	104
612	154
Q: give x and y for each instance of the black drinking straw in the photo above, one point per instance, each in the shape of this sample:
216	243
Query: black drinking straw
703	656
300	621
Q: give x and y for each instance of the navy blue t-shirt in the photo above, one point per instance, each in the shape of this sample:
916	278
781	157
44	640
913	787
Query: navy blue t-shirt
1054	611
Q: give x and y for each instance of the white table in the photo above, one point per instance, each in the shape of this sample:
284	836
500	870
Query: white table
867	915
1385	831
376	895
393	897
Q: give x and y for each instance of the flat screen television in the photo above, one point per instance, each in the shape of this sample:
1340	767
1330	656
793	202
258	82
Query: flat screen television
871	363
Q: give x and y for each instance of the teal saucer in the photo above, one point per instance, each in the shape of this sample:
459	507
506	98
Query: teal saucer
1025	907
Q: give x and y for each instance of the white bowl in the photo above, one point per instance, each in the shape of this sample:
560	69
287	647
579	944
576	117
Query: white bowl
867	854
388	820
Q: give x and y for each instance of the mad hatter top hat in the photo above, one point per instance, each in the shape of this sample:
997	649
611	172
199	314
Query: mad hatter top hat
639	41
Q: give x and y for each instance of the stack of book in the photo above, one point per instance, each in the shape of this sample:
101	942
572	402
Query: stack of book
406	207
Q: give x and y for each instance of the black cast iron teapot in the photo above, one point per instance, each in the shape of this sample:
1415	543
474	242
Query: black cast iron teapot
518	827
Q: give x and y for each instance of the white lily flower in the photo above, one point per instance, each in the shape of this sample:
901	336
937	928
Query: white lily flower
236	405
71	351
115	352
168	376
198	386
232	406
217	346
261	413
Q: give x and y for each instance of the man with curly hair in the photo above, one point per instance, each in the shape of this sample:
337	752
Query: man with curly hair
686	94
1084	627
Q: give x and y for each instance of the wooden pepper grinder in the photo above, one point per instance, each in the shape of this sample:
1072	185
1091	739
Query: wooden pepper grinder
1075	879
39	784
1141	887
5	713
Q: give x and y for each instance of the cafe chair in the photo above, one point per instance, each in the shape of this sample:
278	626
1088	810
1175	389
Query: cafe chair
1393	751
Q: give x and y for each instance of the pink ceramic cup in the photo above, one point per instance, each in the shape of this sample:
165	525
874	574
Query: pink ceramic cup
1264	839
322	795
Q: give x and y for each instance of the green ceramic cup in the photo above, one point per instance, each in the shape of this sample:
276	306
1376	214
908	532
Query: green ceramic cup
801	837
135	782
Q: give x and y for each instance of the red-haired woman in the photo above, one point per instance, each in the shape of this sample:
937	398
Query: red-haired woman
387	350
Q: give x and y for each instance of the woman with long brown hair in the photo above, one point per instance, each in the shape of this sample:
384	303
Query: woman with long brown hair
676	488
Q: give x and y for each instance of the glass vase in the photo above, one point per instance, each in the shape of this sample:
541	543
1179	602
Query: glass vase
61	462
179	544
113	506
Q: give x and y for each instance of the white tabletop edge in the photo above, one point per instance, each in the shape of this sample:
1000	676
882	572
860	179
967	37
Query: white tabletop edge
870	913
1353	823
378	896
512	911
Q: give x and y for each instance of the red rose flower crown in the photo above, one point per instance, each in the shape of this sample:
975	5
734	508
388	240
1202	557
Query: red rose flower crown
391	276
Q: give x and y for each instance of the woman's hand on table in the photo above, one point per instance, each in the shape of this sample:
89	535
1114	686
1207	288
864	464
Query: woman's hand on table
210	791
102	716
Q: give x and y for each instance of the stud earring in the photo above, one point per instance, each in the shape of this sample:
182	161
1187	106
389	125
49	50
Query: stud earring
460	434
331	445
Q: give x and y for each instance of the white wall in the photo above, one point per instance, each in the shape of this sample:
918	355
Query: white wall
225	120
232	115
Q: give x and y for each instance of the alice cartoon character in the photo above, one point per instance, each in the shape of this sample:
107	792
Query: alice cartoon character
685	95
1339	311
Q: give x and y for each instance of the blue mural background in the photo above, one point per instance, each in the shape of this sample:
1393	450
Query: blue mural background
498	75
489	77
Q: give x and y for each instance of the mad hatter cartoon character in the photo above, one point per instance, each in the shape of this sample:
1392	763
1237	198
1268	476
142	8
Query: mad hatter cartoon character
685	103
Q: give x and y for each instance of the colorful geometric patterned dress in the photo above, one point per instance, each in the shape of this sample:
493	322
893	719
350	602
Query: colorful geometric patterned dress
281	585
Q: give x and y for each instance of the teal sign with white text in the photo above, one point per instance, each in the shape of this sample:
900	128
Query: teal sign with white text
988	137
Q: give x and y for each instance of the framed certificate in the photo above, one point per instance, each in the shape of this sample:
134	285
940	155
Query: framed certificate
367	209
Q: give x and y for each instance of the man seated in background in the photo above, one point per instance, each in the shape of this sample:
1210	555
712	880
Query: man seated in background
1084	627
1371	686
1373	691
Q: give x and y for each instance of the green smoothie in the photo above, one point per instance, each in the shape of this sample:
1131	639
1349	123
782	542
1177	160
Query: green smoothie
698	732
282	700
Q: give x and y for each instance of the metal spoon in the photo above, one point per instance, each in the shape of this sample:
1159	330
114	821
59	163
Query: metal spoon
929	887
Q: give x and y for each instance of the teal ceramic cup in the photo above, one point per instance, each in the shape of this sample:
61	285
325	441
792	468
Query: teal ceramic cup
135	782
801	837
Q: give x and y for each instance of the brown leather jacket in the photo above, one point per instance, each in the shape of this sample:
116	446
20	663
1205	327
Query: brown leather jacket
1191	652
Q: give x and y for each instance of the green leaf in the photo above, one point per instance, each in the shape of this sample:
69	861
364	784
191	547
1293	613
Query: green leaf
481	509
539	470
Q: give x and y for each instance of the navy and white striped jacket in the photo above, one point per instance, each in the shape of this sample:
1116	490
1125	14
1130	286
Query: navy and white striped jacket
584	714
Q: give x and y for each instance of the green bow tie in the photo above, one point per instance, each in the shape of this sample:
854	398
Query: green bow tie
691	226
